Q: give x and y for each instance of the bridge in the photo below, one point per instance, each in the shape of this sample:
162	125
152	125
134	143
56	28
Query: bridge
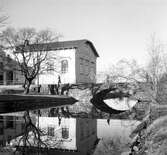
18	102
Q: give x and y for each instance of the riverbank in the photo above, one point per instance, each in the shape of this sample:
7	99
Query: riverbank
151	134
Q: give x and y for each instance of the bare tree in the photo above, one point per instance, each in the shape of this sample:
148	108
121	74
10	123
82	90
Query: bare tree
127	72
30	49
149	78
3	19
157	70
152	81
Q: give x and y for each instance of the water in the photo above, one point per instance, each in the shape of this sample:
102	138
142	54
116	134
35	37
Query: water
121	104
114	136
79	136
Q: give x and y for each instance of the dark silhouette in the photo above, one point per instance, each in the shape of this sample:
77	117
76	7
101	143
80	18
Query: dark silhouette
98	101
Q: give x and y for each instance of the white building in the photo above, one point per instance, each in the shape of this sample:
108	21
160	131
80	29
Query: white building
75	62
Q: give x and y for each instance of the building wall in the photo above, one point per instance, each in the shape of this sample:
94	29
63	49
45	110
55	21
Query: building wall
51	77
85	65
82	133
81	66
86	134
57	140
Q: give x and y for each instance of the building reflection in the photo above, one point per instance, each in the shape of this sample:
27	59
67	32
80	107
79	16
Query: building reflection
11	126
72	136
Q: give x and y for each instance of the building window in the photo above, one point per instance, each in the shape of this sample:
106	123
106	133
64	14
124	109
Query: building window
64	66
86	66
50	131
81	66
65	133
81	131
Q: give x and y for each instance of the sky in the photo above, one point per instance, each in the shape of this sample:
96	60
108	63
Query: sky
119	29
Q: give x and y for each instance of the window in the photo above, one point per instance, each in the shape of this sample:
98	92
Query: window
65	133
86	67
64	66
92	72
81	131
81	66
50	131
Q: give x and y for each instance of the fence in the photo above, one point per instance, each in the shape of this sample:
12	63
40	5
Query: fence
11	82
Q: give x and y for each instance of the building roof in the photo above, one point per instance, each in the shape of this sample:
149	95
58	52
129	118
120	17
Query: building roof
60	45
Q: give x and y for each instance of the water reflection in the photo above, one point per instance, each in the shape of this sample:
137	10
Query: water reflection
11	125
114	137
121	104
71	136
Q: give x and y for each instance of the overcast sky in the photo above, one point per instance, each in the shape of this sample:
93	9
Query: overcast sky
118	28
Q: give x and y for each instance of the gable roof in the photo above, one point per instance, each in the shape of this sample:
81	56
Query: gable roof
60	45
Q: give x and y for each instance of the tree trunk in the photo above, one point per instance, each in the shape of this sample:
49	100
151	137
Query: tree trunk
27	87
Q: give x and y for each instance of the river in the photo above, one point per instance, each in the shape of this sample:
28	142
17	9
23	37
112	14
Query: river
73	136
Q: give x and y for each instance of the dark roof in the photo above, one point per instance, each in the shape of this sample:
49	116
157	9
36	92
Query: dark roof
60	45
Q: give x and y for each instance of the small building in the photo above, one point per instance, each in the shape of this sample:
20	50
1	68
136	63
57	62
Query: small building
9	74
75	62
